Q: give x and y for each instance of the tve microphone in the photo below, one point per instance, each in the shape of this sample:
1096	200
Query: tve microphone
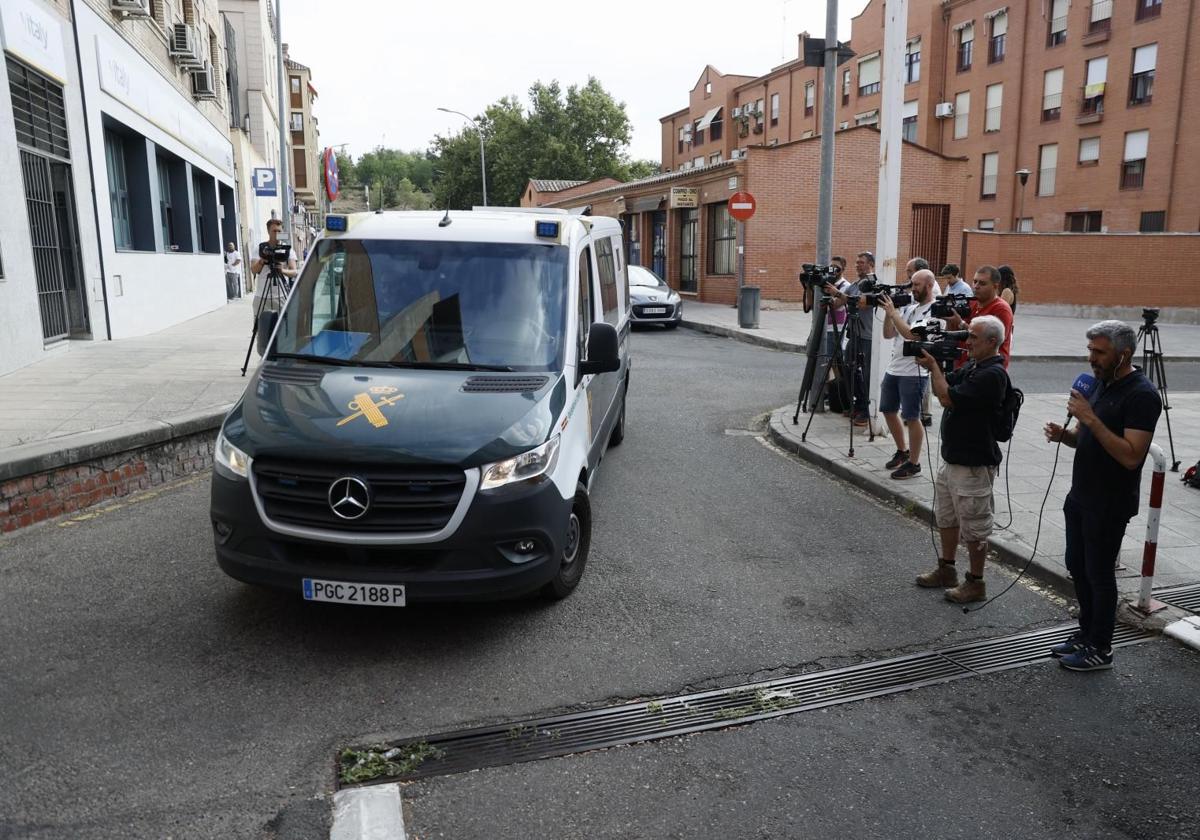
1084	383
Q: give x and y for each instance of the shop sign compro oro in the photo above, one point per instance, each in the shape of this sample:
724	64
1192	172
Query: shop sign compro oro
685	197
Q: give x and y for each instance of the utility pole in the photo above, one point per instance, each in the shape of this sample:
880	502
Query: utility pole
284	189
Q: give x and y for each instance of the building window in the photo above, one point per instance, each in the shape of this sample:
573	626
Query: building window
994	103
299	169
867	118
297	121
1133	167
912	61
708	88
810	98
774	109
986	224
1141	83
1047	168
1095	74
868	75
1088	222
1052	94
38	110
118	189
297	101
996	43
166	207
1089	151
962	114
714	158
966	46
173	208
722	239
682	135
991	168
1025	225
845	87
1058	23
1101	16
1148	9
908	128
1153	221
715	130
609	295
698	135
688	282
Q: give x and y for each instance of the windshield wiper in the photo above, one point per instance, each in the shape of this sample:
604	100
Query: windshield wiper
319	360
437	366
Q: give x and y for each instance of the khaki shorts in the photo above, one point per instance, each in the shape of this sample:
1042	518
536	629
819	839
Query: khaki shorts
963	498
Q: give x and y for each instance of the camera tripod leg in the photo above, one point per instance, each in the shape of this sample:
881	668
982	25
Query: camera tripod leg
275	286
1155	369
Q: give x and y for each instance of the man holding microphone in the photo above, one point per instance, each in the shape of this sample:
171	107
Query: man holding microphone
1116	427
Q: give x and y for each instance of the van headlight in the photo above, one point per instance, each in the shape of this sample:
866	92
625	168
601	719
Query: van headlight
522	467
230	461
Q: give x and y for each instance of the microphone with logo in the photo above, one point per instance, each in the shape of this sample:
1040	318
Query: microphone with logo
1085	384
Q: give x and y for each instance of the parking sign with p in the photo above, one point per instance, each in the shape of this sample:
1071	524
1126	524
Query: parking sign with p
264	181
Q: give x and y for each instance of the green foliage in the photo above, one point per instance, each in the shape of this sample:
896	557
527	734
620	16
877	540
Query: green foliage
580	135
400	180
357	766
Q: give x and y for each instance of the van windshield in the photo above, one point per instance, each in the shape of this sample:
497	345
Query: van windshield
405	303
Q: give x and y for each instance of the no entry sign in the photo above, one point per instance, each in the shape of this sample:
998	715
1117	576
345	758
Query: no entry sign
741	206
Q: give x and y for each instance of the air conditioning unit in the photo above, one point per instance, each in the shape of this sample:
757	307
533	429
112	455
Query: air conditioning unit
942	110
737	111
737	154
131	8
183	47
202	83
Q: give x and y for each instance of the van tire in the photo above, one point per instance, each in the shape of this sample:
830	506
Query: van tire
575	552
618	431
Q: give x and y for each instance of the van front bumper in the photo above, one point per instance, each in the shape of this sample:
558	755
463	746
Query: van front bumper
476	562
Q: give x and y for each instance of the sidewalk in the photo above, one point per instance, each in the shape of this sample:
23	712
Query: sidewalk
1034	336
1029	463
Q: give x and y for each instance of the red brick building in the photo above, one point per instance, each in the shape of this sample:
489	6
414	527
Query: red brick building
541	191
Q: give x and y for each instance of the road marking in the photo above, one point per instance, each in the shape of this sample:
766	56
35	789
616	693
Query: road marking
370	812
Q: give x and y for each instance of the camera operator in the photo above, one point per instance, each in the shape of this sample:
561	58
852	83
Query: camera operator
1116	427
260	268
864	266
971	397
988	302
903	383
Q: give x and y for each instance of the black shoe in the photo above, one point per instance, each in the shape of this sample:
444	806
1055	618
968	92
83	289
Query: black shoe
907	470
899	458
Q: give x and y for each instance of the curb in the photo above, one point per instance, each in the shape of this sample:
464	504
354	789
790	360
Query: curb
787	347
1009	554
1185	631
374	812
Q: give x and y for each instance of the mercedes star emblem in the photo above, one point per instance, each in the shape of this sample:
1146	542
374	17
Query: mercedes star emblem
349	497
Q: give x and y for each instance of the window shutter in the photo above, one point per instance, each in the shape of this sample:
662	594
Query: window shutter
1089	149
1101	10
868	71
991	164
1053	83
1136	143
995	95
1144	58
967	33
1097	71
1050	156
1058	16
910	108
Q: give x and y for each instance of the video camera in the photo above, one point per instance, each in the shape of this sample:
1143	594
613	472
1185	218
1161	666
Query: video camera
952	304
935	340
816	276
276	254
873	292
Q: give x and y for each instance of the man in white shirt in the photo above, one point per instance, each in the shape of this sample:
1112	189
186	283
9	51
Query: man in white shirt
260	268
904	384
233	272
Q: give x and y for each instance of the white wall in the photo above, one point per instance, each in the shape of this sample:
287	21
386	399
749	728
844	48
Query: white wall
149	291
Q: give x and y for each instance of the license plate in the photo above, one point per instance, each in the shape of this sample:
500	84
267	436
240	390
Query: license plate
363	594
654	310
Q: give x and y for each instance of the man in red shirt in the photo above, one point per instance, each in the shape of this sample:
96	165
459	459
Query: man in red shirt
987	302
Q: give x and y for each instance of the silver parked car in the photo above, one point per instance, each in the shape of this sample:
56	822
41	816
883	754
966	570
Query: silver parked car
651	300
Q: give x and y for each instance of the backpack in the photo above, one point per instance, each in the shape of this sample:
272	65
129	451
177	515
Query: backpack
1191	477
1005	419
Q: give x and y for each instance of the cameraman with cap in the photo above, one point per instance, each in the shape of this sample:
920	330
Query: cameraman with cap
260	268
971	396
903	384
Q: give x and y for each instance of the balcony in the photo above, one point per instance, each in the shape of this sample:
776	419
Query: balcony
965	52
1051	107
1100	23
1133	174
996	49
1091	108
1141	88
1147	9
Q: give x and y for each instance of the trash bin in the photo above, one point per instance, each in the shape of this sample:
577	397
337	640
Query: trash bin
748	307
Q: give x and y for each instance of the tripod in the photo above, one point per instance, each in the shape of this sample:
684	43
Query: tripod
1152	365
846	371
273	297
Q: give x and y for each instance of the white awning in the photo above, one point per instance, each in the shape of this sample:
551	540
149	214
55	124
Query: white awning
999	23
1003	10
914	42
705	121
1144	58
1136	144
966	32
962	25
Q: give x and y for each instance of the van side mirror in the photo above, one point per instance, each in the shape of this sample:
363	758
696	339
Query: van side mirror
266	326
603	350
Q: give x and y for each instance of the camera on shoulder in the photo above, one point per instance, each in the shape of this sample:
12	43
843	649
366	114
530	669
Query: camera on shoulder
274	254
935	340
952	304
816	276
874	292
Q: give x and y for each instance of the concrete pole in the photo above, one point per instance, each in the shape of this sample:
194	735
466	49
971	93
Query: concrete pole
284	204
887	221
817	372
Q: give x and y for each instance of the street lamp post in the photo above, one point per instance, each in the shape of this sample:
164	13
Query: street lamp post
1023	174
482	161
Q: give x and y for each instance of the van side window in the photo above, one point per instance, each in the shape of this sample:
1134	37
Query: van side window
608	280
585	313
622	277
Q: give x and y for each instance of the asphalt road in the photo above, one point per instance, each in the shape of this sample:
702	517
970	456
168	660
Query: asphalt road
147	695
1053	377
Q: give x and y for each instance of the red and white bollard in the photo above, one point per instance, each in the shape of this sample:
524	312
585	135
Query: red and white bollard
1145	603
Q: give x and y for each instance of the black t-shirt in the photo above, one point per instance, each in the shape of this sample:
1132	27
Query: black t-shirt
1098	482
977	392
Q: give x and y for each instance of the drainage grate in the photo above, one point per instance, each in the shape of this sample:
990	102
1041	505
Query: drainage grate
630	723
1186	596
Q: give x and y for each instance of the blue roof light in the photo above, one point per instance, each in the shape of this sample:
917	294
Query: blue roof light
548	230
336	223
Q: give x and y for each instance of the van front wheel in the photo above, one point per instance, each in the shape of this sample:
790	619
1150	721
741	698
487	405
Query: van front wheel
575	549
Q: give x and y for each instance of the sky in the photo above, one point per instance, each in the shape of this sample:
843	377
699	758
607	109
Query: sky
381	68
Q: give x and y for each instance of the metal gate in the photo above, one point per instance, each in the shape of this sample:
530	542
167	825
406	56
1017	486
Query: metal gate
43	236
930	233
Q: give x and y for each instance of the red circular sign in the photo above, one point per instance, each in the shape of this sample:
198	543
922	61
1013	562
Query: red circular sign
331	175
741	206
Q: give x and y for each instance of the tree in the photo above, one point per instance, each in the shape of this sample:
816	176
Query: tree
579	136
394	175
